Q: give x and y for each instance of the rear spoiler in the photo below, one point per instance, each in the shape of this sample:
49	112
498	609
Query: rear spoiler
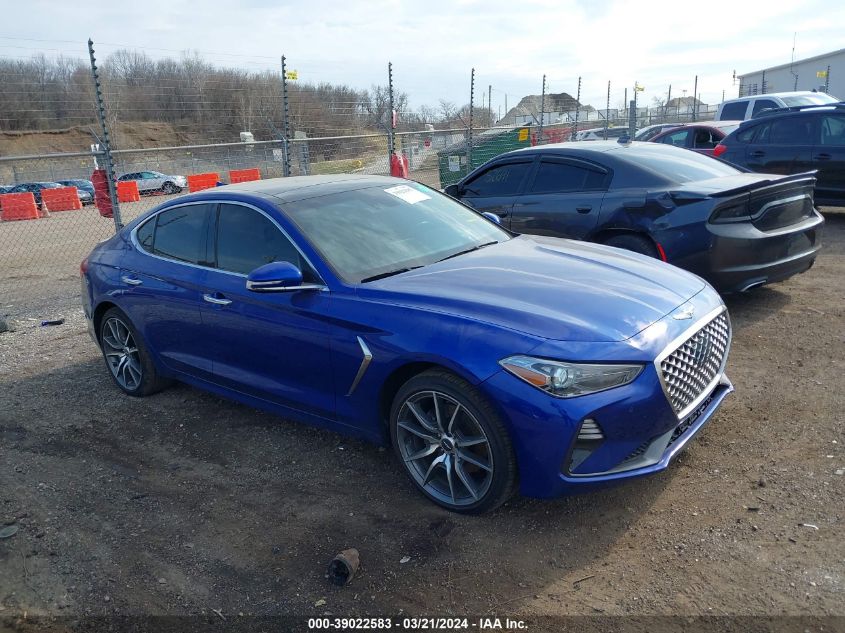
809	176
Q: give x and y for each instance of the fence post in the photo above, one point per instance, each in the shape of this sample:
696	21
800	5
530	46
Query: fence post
695	100
285	121
469	132
106	143
391	140
632	116
577	109
827	80
607	112
542	108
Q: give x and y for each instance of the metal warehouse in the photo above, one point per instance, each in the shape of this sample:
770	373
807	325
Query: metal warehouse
825	73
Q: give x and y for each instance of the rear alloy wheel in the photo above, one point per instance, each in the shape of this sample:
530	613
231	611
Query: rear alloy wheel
170	188
452	443
126	356
633	242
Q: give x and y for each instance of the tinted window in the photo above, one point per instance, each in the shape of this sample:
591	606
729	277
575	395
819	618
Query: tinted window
558	177
502	180
745	135
792	130
734	111
378	230
678	139
833	130
145	234
763	104
180	233
246	239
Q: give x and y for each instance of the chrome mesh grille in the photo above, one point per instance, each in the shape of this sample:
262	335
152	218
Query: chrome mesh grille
695	363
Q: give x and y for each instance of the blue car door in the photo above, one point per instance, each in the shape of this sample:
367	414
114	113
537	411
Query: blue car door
562	199
270	345
160	281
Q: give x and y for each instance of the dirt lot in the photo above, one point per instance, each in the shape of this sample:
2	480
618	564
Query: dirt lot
184	503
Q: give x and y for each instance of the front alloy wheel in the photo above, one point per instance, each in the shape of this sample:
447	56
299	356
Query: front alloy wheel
452	443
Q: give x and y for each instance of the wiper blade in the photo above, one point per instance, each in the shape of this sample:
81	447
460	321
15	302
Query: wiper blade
469	250
388	274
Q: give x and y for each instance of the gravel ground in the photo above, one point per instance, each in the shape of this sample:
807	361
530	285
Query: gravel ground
184	503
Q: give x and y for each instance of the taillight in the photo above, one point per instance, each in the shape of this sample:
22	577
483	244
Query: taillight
83	267
719	150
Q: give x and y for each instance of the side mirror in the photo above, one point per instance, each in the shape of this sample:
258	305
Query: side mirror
492	217
274	277
452	190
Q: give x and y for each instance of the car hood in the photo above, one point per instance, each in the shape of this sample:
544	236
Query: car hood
547	287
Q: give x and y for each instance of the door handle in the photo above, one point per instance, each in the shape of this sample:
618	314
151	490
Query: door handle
218	301
131	281
822	157
758	154
585	209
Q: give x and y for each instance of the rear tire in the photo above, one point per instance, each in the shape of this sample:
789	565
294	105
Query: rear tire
452	443
169	188
633	242
127	358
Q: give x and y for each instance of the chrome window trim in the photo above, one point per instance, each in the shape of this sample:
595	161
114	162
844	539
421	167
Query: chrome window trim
133	238
680	340
365	362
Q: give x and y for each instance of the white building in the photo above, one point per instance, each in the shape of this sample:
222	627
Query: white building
799	75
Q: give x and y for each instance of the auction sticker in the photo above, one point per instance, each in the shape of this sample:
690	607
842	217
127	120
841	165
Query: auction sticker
406	193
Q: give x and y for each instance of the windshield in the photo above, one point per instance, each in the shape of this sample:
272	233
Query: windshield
817	98
676	164
379	230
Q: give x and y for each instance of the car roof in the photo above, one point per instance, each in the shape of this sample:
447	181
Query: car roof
795	93
716	124
295	188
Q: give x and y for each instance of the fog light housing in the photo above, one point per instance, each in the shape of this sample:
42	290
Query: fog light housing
590	437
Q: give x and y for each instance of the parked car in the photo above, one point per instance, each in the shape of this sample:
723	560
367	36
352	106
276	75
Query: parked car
35	189
792	141
702	137
155	181
650	131
383	309
735	229
597	134
746	107
85	188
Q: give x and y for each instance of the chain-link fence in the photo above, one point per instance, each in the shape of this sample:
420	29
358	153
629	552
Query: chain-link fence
155	128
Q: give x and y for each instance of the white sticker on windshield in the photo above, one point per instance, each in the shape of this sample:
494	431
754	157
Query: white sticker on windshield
406	193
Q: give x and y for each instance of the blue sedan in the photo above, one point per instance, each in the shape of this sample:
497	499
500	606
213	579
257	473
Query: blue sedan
383	309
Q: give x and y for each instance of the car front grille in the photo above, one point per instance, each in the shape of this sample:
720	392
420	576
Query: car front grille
693	366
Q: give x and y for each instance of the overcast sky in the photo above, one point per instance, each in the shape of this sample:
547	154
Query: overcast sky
434	44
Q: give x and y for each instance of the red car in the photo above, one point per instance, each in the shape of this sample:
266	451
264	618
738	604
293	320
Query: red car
701	137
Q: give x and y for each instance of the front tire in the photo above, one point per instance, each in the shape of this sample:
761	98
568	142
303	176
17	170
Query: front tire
127	358
452	443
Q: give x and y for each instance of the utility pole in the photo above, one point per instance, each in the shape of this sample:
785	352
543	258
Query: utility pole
490	102
607	112
542	109
285	121
577	109
695	100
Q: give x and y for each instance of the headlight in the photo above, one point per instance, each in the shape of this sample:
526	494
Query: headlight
566	380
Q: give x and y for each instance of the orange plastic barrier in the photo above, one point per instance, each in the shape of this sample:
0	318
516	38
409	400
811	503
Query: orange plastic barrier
64	199
244	175
198	182
127	191
18	206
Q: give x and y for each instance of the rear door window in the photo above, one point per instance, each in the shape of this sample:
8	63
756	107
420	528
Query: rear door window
833	130
500	180
558	176
734	111
180	233
790	130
